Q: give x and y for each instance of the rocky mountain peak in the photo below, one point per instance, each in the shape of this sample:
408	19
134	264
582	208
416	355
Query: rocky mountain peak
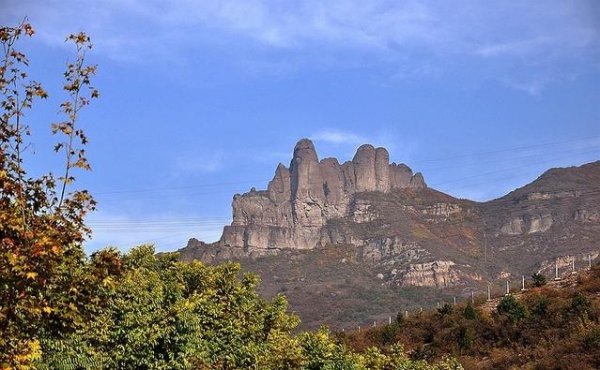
304	151
300	200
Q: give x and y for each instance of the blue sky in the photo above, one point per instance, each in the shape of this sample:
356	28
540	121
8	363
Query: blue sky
202	99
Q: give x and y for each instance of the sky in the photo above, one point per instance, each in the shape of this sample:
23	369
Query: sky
200	100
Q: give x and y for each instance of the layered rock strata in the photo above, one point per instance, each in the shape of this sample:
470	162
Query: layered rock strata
299	201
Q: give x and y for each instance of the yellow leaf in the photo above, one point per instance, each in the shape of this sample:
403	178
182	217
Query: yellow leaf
107	281
31	275
47	309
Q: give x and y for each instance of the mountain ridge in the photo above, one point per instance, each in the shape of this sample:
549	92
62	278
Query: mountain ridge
400	234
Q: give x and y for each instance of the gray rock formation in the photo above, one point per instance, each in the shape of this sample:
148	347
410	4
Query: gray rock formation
299	201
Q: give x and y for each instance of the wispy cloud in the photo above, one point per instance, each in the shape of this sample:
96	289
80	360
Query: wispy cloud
339	137
418	37
400	149
192	162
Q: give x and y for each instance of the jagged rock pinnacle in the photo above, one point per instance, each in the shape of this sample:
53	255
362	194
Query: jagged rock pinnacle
300	200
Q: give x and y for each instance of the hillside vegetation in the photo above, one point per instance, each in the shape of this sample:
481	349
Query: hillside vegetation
554	326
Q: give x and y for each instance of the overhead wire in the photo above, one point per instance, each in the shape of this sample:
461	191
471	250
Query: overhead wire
444	158
177	223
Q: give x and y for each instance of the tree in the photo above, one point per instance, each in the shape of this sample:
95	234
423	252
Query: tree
512	309
466	336
41	227
538	279
469	312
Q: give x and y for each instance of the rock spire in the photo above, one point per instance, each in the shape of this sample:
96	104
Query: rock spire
299	201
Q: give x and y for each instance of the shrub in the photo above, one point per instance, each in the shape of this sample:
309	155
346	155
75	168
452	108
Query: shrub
538	279
446	309
591	339
512	309
469	312
580	303
540	307
466	337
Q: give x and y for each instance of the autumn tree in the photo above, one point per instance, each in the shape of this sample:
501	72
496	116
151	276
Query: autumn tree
41	222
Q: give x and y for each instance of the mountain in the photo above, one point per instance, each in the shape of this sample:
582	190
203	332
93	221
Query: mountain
371	237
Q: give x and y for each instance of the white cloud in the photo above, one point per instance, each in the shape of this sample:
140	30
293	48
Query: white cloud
418	37
339	137
400	150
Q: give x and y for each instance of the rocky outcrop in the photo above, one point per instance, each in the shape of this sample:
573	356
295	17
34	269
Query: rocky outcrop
584	215
528	224
299	201
436	274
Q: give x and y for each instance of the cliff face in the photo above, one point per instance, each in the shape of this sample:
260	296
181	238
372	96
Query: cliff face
301	199
407	233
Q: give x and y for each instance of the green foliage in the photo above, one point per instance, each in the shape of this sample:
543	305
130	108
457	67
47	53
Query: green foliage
592	339
466	337
469	312
541	306
42	287
399	318
162	314
580	303
389	333
511	308
538	279
491	339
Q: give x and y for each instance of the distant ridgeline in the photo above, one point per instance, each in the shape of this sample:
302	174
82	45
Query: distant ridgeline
408	233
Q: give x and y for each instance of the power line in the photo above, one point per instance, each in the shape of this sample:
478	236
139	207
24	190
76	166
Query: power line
523	147
445	158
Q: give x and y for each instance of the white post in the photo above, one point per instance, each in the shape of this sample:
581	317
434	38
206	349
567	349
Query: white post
472	298
455	301
523	285
573	265
359	328
390	320
489	293
589	261
438	304
406	314
507	288
374	323
556	277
